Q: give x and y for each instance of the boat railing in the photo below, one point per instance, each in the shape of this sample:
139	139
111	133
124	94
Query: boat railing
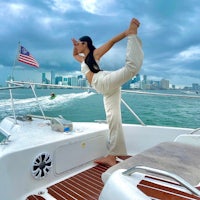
23	84
133	113
156	94
162	94
18	84
195	131
8	88
180	180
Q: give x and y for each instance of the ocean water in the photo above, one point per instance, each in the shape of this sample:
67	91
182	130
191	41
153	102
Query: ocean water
81	105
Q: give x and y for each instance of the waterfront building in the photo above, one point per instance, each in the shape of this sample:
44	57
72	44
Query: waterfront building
65	81
52	77
195	86
58	80
164	84
82	82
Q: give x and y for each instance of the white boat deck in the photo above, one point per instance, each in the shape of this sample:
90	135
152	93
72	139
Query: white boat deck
24	136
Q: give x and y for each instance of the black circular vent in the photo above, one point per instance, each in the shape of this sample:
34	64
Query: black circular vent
41	165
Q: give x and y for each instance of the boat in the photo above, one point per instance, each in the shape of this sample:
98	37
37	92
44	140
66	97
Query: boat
52	158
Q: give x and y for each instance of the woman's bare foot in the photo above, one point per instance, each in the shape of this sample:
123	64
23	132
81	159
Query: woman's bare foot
109	160
133	27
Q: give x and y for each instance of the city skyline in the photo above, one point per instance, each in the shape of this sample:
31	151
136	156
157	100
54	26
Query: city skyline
50	78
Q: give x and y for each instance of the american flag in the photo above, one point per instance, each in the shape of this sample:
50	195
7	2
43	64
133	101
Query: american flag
25	57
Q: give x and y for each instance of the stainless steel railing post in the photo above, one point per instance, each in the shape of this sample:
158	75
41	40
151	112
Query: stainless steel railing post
134	114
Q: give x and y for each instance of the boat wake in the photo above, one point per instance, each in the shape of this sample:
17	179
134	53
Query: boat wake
30	105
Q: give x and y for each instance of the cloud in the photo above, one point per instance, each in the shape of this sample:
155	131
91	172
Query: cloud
190	54
99	7
169	31
61	5
11	9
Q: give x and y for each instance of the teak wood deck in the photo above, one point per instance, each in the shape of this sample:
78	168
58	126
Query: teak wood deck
86	185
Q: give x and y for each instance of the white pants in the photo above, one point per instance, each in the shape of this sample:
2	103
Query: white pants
109	84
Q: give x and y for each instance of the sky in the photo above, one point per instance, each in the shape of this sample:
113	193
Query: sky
169	30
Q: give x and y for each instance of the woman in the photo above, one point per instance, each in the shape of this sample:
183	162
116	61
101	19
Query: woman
109	83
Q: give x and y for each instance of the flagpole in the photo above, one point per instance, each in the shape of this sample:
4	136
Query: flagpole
12	73
12	79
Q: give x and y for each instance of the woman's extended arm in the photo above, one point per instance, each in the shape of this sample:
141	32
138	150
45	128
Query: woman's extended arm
99	52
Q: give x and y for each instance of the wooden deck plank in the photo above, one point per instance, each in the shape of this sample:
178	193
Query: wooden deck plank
163	192
35	197
85	185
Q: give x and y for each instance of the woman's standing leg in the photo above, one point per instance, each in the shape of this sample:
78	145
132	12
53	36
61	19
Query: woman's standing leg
117	146
112	104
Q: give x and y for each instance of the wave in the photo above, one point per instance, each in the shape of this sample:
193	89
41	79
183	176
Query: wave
24	106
